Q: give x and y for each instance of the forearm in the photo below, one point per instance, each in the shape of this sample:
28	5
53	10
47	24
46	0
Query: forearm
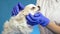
54	27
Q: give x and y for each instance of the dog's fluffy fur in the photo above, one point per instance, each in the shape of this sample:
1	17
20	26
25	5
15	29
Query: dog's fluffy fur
17	24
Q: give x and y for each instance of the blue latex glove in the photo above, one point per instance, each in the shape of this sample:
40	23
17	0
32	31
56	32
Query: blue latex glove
31	20
17	8
38	18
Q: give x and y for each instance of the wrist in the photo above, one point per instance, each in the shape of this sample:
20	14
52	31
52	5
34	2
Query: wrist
44	22
50	23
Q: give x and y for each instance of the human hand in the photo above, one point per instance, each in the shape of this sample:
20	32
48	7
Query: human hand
37	18
17	8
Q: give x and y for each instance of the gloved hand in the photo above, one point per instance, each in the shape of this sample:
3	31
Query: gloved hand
17	8
37	18
31	20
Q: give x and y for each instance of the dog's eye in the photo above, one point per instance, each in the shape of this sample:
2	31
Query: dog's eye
32	8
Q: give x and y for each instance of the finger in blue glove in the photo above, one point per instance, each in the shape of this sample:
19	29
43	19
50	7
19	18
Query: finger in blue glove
17	8
31	20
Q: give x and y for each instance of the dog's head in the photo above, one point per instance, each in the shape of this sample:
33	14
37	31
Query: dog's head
31	8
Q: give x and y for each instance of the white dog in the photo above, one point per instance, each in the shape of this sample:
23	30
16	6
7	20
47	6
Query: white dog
18	24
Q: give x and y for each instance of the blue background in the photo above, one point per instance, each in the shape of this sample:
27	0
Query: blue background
6	8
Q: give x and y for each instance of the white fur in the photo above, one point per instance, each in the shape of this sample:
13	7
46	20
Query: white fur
17	24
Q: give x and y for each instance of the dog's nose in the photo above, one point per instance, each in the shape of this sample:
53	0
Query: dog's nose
38	7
